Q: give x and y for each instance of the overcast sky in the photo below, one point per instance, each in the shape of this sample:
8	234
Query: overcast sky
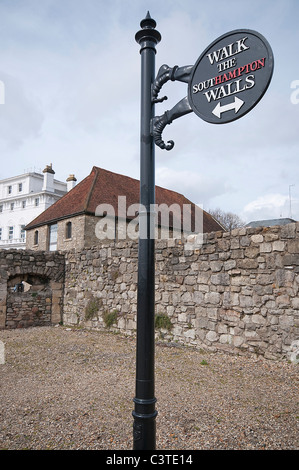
71	73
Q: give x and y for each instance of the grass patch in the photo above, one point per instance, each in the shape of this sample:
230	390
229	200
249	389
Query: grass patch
92	308
163	322
110	317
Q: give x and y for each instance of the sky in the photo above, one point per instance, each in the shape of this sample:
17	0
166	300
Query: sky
70	73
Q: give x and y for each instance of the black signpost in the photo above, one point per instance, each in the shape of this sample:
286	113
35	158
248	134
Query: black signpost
144	428
227	81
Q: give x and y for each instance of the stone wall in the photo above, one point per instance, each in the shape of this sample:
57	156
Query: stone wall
28	309
238	292
108	274
40	300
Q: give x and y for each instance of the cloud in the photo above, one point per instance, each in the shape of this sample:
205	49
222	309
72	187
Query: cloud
270	206
194	185
73	85
21	117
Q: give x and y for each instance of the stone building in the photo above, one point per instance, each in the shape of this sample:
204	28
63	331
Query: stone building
105	206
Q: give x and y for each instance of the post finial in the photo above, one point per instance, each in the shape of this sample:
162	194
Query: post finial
148	22
148	31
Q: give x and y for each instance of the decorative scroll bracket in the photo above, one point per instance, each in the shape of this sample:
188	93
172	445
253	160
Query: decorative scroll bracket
158	123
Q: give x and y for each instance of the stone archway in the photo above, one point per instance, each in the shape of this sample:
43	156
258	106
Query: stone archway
31	288
28	302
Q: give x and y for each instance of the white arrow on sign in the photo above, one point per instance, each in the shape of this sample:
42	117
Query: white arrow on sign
236	105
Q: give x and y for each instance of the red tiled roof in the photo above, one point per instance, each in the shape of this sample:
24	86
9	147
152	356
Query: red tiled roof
104	187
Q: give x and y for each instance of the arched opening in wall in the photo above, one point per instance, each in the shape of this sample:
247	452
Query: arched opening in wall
29	301
35	241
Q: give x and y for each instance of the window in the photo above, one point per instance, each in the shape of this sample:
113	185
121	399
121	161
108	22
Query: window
36	202
1	208
68	230
20	186
53	237
23	204
35	237
9	189
22	233
10	233
12	206
0	233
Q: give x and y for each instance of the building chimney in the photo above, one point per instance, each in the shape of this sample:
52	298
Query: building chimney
71	182
48	179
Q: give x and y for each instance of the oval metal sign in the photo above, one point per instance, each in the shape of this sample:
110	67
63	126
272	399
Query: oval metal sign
231	76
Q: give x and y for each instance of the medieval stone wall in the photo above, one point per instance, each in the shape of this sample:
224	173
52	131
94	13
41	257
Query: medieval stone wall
27	309
31	288
238	292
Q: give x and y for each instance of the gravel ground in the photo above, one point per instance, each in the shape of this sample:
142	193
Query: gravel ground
67	389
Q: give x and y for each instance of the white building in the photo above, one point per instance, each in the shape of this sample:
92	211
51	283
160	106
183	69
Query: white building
24	197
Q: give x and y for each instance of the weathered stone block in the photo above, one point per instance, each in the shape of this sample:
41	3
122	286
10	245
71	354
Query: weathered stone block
283	301
286	321
190	280
252	252
238	341
230	264
226	339
278	245
248	264
230	299
258	319
223	245
293	246
221	278
212	336
288	231
246	301
212	297
216	266
257	238
265	247
190	333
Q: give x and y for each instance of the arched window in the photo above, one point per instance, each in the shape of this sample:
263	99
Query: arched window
68	230
53	237
36	237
